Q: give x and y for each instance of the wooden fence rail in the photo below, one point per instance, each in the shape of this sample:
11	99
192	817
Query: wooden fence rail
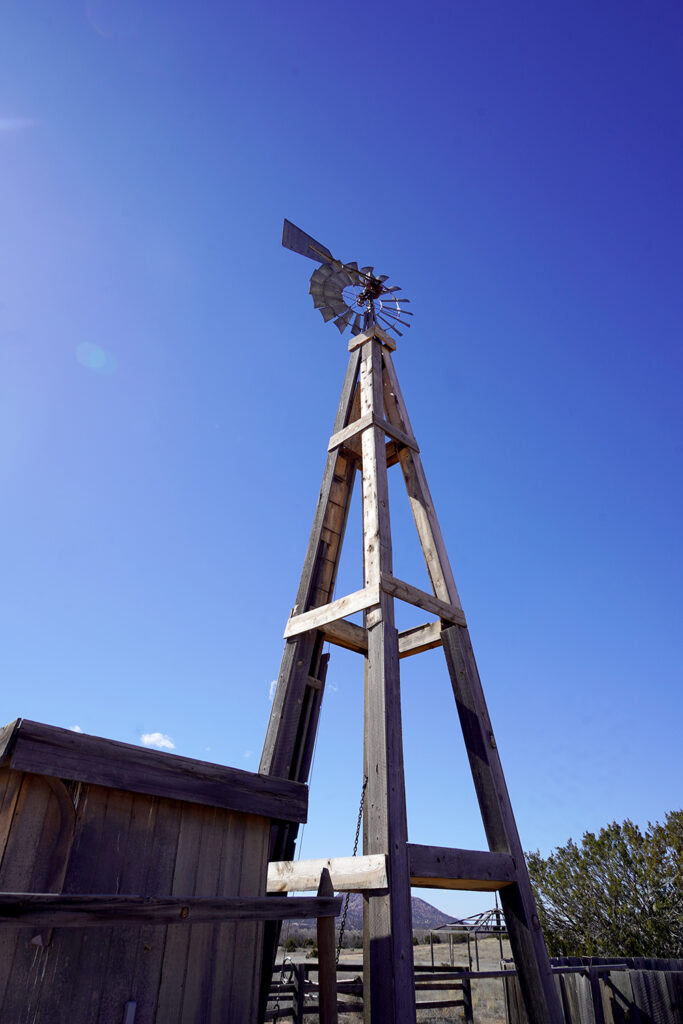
593	991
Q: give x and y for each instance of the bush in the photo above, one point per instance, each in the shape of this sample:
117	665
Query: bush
619	893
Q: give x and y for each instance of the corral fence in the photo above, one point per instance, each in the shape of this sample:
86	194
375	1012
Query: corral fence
594	990
610	990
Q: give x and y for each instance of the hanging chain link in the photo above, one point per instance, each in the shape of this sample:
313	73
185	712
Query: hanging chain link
342	926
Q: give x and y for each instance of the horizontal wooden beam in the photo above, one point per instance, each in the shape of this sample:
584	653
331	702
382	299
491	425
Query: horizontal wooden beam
348	874
47	750
372	332
317	617
346	634
412	595
355	638
438	867
419	638
70	910
369	420
346	433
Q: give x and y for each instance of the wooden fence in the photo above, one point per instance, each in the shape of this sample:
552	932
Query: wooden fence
593	991
616	990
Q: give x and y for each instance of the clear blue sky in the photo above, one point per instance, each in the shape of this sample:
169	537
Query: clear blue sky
167	390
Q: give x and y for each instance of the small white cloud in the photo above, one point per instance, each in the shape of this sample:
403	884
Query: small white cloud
15	124
248	753
271	692
333	687
157	739
76	728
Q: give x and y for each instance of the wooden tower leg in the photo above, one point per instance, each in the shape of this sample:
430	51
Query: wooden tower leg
526	937
293	724
389	982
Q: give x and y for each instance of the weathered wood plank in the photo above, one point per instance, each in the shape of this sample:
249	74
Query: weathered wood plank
292	726
196	996
358	601
438	867
175	962
348	874
165	826
412	595
526	936
26	861
115	809
68	755
418	639
77	910
125	946
424	513
352	430
346	634
327	969
226	955
372	332
249	948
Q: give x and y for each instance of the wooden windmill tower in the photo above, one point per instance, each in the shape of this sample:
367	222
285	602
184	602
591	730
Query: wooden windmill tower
372	432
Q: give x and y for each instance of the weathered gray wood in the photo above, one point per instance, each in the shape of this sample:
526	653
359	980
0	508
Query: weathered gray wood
68	755
352	430
110	838
358	601
25	862
357	427
346	634
418	639
226	955
424	514
389	983
165	826
429	603
292	727
247	964
327	968
196	996
372	332
439	867
76	910
402	437
348	874
524	929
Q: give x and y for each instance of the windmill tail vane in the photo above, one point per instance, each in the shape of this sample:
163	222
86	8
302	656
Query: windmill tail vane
349	295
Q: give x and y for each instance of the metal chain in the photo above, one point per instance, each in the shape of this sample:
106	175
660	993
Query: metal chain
342	926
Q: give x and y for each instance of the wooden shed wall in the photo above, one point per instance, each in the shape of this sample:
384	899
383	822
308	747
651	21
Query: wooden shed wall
83	838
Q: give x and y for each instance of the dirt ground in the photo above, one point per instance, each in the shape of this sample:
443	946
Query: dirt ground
488	1001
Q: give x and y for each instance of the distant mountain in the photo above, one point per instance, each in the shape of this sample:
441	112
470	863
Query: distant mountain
424	915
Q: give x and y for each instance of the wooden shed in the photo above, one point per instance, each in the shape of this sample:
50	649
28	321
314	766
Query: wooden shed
139	844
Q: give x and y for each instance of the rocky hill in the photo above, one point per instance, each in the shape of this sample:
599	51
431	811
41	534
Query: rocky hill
424	915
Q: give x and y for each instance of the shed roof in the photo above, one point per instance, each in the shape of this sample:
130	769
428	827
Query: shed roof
47	750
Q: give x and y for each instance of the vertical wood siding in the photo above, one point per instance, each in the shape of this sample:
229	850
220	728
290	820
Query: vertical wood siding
122	842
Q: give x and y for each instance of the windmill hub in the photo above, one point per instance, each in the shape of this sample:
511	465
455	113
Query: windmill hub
339	289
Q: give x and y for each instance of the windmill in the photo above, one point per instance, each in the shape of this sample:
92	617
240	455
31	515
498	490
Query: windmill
372	433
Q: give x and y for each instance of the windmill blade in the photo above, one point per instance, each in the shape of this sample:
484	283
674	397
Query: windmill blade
298	241
357	324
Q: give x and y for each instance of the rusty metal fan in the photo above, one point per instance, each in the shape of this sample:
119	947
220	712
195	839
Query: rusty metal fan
347	295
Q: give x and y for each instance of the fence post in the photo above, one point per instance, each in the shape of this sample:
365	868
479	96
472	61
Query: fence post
467	1001
596	992
327	967
298	996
